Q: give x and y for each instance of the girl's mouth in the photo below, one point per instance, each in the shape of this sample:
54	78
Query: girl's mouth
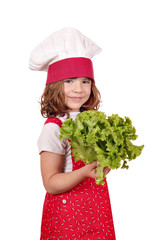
76	98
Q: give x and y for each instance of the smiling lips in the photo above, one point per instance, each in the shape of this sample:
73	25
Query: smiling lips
76	98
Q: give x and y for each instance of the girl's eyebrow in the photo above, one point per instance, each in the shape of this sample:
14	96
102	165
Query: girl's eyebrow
83	78
88	79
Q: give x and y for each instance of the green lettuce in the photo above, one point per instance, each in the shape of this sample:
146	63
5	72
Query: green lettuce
93	136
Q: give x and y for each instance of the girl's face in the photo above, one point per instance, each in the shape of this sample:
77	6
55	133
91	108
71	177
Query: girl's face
77	91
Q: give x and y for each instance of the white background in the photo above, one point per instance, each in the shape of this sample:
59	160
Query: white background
127	74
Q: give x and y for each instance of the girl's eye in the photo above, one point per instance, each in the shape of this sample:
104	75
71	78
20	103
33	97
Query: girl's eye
68	81
86	81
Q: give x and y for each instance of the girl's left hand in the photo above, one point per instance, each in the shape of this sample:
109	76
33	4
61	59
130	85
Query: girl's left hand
106	170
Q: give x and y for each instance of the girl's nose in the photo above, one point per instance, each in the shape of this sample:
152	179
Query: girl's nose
77	87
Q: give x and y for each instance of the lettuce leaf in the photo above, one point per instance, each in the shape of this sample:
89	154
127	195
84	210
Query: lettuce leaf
93	136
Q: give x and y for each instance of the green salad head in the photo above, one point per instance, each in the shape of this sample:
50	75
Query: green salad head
93	137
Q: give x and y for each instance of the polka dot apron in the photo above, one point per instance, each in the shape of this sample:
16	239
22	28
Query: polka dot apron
82	213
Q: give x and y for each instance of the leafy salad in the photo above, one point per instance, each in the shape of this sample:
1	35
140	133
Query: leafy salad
93	136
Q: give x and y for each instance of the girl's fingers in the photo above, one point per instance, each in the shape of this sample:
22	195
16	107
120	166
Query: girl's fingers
91	169
106	170
95	164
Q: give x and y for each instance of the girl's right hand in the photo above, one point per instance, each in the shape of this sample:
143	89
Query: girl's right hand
89	170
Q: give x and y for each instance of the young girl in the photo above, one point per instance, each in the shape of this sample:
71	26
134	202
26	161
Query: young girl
75	207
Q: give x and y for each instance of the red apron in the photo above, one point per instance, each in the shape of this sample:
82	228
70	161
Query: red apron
82	213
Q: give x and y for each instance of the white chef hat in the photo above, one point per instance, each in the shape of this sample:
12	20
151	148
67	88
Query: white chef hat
64	54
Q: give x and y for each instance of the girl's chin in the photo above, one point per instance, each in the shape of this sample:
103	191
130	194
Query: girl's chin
74	107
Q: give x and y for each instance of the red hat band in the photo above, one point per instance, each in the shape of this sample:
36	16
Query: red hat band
70	68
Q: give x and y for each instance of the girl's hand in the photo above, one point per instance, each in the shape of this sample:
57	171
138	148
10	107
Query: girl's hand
89	170
106	170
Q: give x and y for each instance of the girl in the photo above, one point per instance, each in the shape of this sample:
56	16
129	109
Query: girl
75	207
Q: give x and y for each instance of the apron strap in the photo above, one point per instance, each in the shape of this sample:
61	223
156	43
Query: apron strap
54	120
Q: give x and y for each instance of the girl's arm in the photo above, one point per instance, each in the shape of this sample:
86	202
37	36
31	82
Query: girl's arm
56	182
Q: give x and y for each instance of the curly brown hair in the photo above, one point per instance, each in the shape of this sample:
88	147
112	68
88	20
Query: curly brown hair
52	100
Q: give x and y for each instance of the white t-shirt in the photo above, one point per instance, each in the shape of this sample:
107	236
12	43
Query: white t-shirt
49	141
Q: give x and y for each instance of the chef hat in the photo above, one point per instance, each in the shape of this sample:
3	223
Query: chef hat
64	54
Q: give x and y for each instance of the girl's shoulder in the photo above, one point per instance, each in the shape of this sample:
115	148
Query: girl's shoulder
59	120
49	137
